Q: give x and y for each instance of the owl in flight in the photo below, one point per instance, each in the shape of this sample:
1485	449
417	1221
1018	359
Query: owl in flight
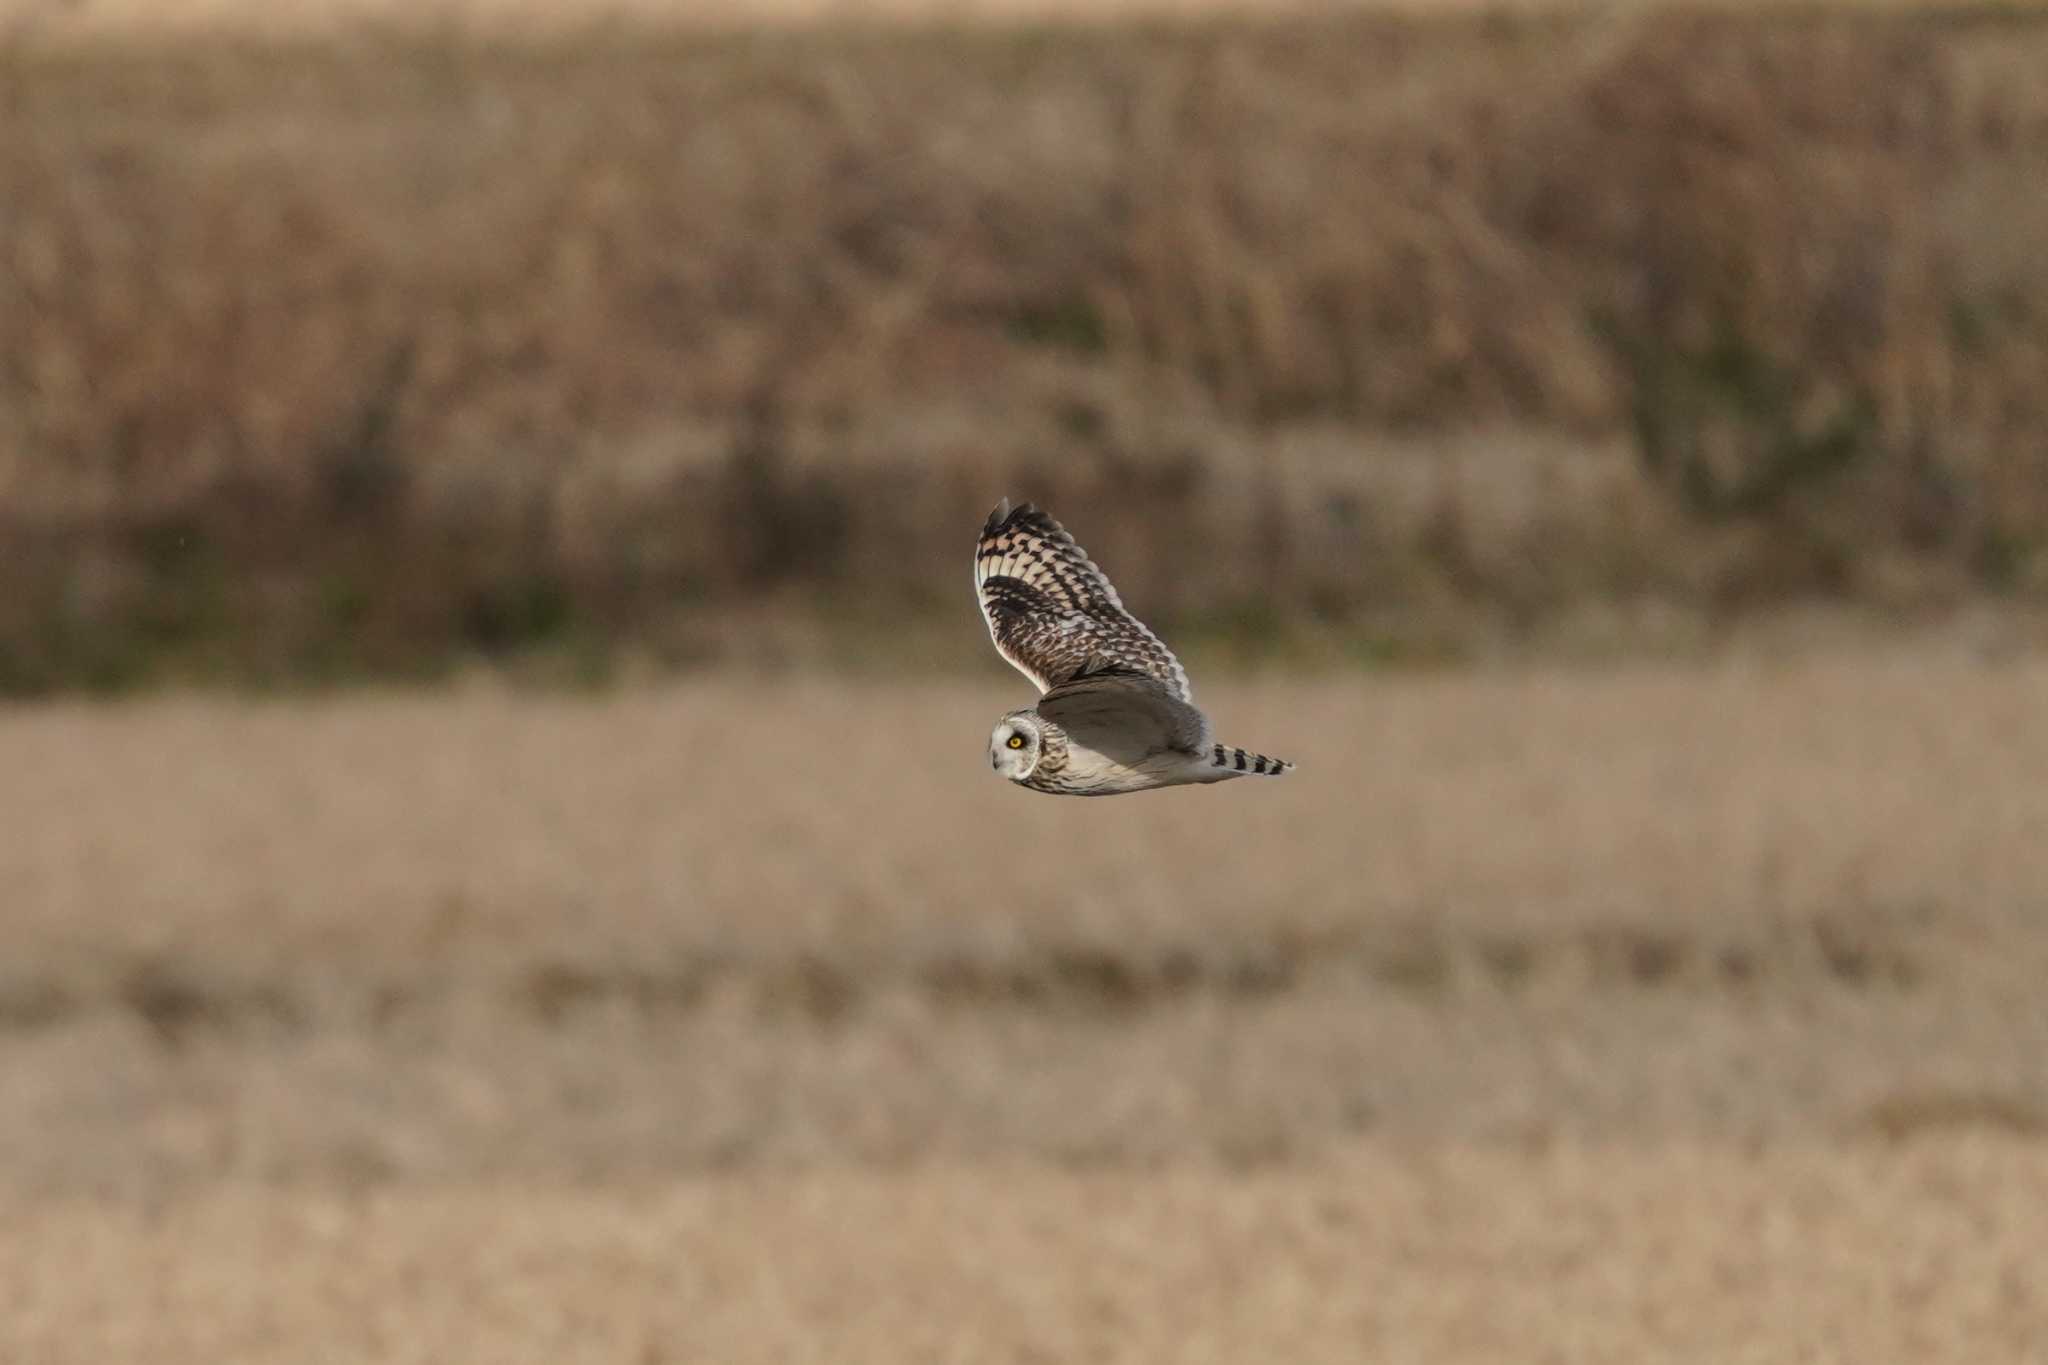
1115	715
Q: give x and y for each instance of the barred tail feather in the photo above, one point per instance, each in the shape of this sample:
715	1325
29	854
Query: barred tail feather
1246	762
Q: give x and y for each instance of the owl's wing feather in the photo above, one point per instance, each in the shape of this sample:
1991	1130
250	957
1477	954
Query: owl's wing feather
1125	714
1052	613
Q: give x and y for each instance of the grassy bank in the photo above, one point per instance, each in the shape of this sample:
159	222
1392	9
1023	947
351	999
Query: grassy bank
357	359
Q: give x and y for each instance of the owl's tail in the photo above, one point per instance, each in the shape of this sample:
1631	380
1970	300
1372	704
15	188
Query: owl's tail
1236	761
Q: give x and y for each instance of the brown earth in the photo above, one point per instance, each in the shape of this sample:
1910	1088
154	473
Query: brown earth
1631	1014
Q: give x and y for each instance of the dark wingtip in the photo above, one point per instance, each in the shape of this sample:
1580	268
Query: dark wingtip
1006	514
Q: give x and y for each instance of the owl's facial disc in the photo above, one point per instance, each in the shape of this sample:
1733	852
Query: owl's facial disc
1013	748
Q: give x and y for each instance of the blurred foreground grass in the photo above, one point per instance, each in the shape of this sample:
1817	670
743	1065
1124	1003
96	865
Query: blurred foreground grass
1455	1256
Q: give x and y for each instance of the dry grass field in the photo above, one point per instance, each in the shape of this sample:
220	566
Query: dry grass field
1673	994
1928	1252
1647	1013
341	359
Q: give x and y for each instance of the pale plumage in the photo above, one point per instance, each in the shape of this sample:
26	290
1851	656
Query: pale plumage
1116	714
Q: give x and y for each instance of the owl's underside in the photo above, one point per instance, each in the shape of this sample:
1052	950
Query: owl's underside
1116	714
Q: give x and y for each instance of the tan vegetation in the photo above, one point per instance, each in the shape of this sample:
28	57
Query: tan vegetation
725	925
1621	1013
324	360
1617	1015
1450	1256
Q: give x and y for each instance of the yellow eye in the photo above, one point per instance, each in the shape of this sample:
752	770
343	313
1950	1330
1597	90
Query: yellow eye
1016	741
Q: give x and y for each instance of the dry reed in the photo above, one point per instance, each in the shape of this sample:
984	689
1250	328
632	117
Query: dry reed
341	357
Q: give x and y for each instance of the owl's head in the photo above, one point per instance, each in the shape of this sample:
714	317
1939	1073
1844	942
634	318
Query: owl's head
1016	745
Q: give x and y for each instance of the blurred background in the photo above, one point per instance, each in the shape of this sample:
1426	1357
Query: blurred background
495	854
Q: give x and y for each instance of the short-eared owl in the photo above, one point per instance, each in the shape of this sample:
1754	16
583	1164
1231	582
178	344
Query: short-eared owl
1115	714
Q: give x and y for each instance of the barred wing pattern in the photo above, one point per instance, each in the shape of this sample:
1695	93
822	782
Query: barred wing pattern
1052	613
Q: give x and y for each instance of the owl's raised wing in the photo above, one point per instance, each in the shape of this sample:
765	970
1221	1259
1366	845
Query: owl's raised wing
1052	613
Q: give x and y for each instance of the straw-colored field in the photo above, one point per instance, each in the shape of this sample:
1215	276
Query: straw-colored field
1621	1013
1628	1015
1926	1253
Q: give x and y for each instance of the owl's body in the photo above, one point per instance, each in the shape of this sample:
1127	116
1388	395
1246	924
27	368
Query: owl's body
1116	714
